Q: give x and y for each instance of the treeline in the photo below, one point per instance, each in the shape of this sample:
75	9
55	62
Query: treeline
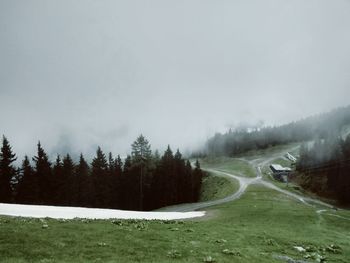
143	181
324	168
239	141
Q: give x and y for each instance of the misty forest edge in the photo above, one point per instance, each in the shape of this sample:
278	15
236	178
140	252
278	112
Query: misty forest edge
147	181
144	181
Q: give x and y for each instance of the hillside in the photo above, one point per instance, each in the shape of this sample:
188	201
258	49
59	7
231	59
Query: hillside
262	225
238	141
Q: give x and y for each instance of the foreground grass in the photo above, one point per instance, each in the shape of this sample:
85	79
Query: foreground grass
217	187
261	226
230	165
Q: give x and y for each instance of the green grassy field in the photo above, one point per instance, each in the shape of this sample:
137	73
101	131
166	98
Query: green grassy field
230	165
255	154
282	162
262	226
217	187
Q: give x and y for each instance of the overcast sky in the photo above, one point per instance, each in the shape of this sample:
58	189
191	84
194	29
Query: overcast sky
77	74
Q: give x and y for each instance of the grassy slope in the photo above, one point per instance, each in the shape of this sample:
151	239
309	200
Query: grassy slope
282	162
231	165
217	187
255	228
262	224
254	154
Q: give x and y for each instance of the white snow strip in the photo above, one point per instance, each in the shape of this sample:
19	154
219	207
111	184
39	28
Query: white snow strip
63	212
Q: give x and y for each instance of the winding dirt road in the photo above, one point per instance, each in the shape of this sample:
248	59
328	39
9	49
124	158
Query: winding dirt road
244	182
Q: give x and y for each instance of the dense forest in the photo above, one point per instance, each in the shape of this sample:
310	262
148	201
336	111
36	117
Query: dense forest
143	181
324	168
238	141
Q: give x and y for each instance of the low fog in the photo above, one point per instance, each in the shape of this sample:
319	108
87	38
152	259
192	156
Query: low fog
77	74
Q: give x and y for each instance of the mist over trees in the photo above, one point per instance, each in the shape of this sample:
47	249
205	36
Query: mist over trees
324	168
238	141
144	181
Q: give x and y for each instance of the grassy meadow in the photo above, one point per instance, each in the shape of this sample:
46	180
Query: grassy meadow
262	226
230	165
217	187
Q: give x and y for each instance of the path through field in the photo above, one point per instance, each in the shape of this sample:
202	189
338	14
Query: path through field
244	182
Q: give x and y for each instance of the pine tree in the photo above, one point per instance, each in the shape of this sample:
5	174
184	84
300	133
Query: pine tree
100	179
111	183
116	174
180	177
84	183
118	164
131	184
7	171
58	182
141	150
69	182
43	175
28	188
168	177
142	161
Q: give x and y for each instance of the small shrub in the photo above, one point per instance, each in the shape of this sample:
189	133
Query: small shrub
174	254
208	259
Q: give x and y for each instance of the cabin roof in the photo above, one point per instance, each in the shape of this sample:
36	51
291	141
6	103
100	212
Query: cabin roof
280	168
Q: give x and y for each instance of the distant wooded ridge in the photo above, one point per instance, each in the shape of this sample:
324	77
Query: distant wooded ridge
144	181
324	168
235	142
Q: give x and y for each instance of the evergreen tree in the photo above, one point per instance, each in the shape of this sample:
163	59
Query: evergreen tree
58	182
142	161
84	185
111	181
141	149
100	179
69	194
28	188
128	185
111	164
181	182
43	175
7	171
156	158
116	175
118	164
168	174
127	163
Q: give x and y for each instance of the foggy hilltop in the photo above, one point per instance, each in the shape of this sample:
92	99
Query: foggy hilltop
175	131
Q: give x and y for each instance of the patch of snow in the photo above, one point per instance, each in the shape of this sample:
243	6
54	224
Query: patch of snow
64	212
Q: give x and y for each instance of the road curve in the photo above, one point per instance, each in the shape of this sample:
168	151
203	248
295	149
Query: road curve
243	184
